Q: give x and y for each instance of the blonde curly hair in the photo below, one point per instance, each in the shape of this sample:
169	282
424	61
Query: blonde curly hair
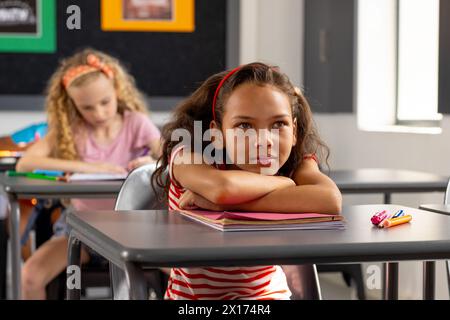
63	117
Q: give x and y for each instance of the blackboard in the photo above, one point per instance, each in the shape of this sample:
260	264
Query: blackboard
164	64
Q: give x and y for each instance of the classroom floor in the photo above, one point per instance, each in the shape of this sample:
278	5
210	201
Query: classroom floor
334	288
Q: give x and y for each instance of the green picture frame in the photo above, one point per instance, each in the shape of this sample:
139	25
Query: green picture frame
41	41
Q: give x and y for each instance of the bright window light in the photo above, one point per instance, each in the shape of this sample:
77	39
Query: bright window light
397	62
376	62
418	60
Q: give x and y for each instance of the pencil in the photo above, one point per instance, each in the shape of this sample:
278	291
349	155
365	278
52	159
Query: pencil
41	177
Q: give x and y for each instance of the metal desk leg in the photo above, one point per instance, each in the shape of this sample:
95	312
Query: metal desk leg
16	269
447	265
391	281
3	259
74	254
390	290
387	198
136	282
429	277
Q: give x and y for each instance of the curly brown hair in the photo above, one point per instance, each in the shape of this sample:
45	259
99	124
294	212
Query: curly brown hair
198	107
63	117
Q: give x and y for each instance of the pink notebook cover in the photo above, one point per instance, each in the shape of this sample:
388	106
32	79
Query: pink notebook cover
267	216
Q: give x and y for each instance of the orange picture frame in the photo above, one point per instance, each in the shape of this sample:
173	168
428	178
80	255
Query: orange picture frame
116	16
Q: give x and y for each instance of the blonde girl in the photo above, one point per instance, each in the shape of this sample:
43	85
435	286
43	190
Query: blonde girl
98	122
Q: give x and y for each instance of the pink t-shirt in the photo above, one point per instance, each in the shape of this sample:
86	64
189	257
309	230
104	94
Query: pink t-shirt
135	135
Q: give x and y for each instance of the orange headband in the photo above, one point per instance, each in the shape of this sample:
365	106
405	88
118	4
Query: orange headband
93	64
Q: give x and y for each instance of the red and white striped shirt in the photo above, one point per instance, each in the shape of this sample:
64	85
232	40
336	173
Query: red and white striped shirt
246	283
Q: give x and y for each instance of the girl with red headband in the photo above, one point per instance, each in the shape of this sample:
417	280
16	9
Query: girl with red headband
254	97
98	122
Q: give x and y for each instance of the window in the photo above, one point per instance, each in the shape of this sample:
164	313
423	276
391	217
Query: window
397	62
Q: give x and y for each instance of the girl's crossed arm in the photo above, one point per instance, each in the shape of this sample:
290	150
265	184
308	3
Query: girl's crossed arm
225	187
38	157
313	192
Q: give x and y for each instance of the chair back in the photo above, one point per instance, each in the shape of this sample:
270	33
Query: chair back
137	192
447	194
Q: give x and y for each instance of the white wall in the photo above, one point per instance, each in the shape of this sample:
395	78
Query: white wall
271	32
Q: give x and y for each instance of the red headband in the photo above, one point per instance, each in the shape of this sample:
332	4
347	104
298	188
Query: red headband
218	90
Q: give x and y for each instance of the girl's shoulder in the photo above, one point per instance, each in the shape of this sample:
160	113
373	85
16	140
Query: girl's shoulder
139	121
311	157
135	116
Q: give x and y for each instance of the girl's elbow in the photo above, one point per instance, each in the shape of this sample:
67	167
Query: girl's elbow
221	196
222	192
336	202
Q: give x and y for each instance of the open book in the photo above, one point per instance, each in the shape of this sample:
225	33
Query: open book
96	176
252	221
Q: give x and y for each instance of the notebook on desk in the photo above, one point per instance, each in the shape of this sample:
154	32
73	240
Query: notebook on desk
253	221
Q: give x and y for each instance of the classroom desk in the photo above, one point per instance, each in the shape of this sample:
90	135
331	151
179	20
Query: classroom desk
22	188
136	239
386	182
437	208
6	163
430	266
383	181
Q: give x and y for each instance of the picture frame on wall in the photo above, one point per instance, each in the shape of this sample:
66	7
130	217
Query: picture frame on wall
28	26
148	15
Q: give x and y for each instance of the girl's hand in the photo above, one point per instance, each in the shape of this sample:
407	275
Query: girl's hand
190	200
106	168
187	200
138	162
208	205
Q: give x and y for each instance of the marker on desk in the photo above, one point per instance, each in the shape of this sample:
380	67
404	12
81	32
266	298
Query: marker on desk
396	221
379	217
32	175
399	213
43	177
381	224
12	173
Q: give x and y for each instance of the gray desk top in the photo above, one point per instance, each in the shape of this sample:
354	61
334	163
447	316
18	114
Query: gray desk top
351	181
39	188
159	238
438	208
387	180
